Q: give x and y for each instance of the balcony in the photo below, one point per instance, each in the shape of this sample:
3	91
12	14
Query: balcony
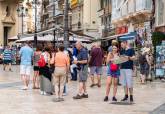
108	32
108	9
132	8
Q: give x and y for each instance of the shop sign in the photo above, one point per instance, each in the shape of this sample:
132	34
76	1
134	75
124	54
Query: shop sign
73	3
122	30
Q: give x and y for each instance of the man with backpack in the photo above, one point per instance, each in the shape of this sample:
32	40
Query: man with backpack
144	65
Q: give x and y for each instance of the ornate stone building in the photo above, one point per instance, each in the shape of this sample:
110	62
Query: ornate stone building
8	20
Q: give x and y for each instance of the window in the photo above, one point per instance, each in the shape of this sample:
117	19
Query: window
160	15
102	4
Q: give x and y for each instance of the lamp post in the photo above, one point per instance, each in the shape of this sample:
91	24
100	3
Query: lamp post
66	28
22	12
35	3
54	14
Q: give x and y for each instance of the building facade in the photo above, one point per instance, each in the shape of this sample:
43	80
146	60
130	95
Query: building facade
16	19
8	20
52	14
104	17
160	16
132	16
84	17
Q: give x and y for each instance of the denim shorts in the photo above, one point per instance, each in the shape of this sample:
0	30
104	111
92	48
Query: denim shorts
83	74
115	74
96	70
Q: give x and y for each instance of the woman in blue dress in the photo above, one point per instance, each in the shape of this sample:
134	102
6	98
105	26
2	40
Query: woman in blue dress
113	73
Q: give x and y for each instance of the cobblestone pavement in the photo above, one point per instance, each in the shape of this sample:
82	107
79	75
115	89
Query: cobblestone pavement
13	100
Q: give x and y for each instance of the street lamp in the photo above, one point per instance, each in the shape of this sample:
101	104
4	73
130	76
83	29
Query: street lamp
22	12
35	3
66	28
54	18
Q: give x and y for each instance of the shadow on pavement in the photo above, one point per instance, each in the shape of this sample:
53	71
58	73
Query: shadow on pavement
121	103
8	85
159	110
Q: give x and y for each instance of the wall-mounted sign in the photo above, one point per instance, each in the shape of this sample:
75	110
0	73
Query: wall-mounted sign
122	30
73	3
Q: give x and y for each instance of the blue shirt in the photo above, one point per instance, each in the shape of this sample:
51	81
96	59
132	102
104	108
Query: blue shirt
82	55
7	54
26	54
75	51
128	64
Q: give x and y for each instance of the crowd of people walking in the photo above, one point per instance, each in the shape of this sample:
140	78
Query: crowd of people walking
53	66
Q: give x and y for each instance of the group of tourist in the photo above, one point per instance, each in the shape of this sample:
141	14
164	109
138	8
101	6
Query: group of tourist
52	67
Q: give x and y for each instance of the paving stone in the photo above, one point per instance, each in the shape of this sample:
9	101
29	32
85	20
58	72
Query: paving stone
15	101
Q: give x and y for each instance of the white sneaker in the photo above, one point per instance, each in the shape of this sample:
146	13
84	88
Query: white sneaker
42	92
64	94
45	93
163	80
24	88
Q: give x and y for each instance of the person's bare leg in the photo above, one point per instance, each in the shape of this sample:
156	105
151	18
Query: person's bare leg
81	88
23	79
84	88
34	79
37	80
131	91
92	80
142	78
115	82
4	66
108	85
27	80
99	80
9	67
125	90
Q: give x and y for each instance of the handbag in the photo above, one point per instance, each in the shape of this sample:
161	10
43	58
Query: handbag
41	62
113	67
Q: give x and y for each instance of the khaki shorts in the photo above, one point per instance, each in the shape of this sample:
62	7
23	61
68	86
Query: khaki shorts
59	76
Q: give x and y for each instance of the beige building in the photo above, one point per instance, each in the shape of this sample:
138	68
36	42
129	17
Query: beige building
8	20
11	20
132	16
84	17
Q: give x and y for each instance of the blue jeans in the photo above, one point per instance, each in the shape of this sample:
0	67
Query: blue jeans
74	74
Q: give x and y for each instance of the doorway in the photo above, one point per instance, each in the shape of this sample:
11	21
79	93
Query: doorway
5	38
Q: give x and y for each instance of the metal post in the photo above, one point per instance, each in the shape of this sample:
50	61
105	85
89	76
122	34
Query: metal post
22	9
66	29
54	40
54	32
35	35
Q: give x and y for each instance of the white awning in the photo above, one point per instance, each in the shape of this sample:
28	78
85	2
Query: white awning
13	38
51	38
